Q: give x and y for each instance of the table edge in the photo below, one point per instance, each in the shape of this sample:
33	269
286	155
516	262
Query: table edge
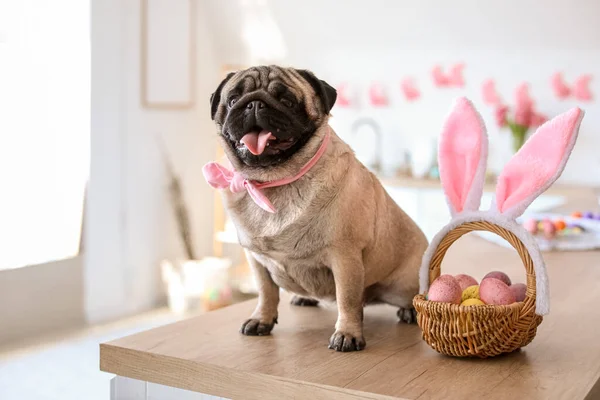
217	380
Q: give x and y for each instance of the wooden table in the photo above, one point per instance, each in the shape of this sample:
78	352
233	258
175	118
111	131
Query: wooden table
206	354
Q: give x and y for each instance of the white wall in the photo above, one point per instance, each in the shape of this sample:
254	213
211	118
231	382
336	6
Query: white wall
191	141
409	125
130	225
511	41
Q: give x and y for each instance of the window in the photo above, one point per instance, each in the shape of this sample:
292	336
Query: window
44	128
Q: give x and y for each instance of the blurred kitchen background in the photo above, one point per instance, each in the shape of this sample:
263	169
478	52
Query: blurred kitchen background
106	223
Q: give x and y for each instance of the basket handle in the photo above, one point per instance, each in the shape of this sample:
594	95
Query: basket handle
456	233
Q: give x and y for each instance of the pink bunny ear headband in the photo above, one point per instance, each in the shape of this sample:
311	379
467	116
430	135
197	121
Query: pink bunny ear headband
462	159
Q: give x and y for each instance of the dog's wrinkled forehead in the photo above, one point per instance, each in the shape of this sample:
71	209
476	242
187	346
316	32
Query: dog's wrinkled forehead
275	81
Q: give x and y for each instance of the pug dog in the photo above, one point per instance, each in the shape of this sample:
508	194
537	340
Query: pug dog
329	230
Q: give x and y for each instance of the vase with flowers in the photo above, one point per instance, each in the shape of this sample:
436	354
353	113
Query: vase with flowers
523	118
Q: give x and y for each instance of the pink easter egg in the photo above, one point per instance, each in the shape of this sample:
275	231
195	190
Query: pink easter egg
499	275
549	230
464	281
495	292
519	290
531	225
445	289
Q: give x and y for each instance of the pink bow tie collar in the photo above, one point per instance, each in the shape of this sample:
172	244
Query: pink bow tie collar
220	177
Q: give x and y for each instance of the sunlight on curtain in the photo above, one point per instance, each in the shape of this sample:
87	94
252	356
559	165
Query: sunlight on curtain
44	128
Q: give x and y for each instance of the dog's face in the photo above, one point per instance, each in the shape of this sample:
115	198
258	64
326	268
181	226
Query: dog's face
266	114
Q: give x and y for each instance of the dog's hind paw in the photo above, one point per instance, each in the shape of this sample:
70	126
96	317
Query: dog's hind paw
407	315
304	301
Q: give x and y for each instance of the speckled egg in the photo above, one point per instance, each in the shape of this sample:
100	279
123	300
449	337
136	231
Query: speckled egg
472	302
472	292
494	291
588	215
464	281
576	214
445	289
519	290
531	225
498	275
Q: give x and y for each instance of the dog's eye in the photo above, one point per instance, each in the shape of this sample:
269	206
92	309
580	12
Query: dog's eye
232	101
287	102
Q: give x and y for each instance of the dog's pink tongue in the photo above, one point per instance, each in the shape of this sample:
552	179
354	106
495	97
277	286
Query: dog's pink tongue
256	142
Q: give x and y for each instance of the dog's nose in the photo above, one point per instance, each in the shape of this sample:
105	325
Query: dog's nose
255	104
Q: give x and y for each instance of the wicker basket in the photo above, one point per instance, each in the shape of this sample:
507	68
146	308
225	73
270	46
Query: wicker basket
478	331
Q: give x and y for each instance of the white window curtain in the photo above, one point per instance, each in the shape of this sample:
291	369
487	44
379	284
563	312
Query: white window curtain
44	128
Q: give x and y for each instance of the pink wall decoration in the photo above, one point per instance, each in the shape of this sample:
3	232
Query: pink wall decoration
343	99
377	96
489	93
580	89
411	93
560	88
454	77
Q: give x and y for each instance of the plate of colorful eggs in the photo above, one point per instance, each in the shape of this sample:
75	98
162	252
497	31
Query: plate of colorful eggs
496	288
578	231
552	227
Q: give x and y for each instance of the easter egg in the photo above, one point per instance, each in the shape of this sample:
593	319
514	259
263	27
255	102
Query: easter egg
597	217
494	291
498	275
549	230
464	281
472	292
519	290
531	225
588	215
472	302
445	289
576	214
559	224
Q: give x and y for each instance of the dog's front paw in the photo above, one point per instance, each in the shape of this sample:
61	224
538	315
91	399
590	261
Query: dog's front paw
407	315
344	341
254	327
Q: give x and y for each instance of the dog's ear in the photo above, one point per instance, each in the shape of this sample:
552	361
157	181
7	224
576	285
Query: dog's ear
215	98
324	91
